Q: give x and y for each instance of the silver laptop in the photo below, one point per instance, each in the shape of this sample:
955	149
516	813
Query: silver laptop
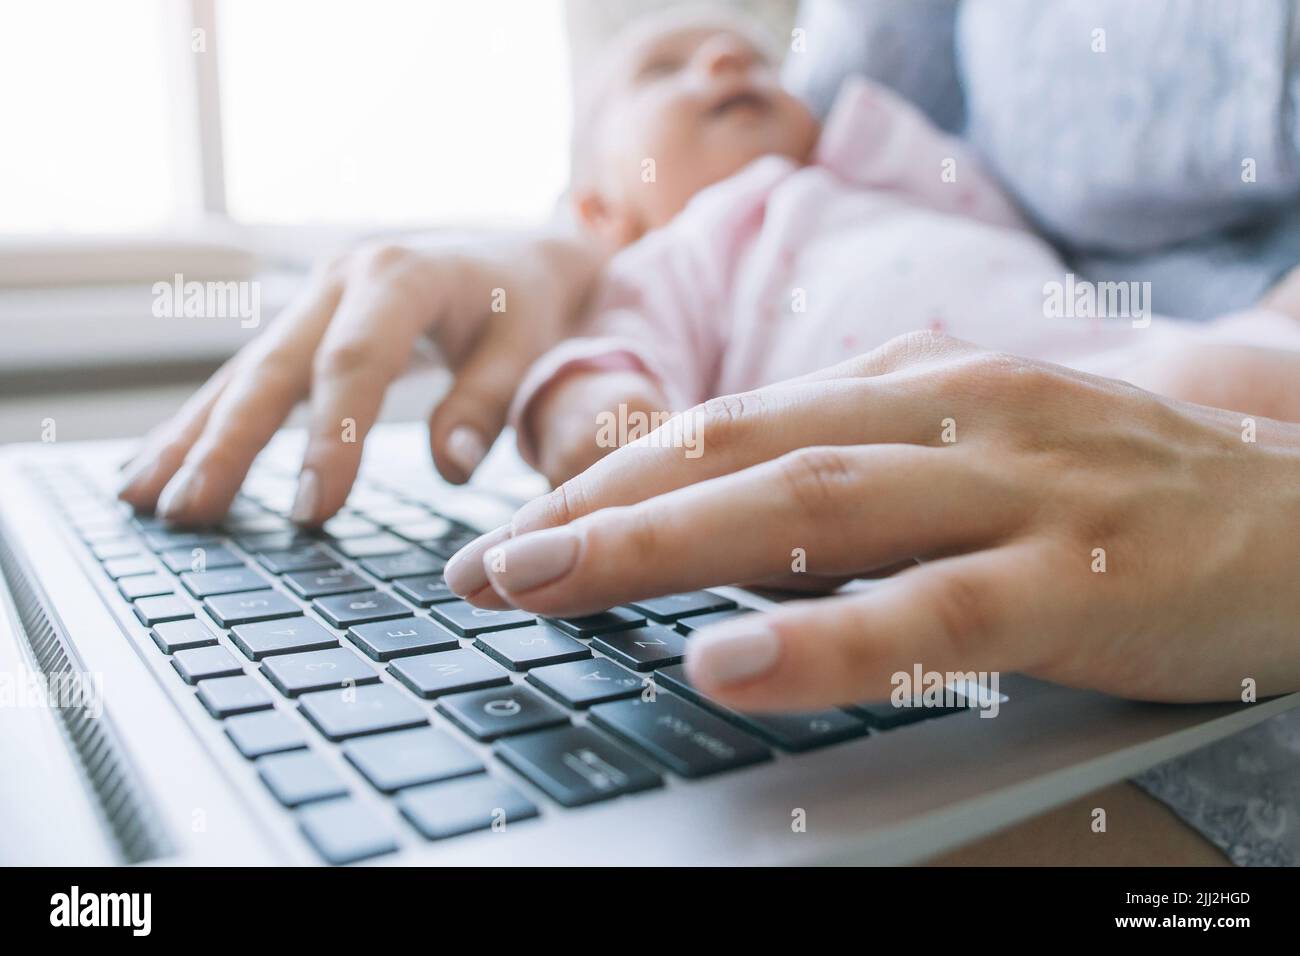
251	695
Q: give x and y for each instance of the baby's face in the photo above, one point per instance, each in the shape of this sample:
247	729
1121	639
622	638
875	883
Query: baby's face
699	102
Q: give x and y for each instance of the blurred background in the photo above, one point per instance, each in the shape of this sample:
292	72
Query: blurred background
239	140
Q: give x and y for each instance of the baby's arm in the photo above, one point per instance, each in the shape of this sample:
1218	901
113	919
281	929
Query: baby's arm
582	416
879	140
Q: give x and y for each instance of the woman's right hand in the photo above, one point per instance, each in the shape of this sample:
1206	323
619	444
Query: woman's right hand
341	343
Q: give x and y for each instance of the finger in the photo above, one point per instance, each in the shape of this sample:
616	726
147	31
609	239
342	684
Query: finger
263	388
163	450
831	510
728	434
368	344
907	352
473	412
975	613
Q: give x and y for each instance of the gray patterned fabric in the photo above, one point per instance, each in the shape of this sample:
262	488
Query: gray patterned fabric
1131	160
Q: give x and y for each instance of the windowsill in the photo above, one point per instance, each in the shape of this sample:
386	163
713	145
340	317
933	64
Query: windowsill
84	326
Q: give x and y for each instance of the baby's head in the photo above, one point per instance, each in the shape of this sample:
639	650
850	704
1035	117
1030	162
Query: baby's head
696	94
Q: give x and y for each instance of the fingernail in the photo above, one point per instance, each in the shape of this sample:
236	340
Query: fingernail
466	448
180	491
137	472
464	572
522	564
731	654
304	502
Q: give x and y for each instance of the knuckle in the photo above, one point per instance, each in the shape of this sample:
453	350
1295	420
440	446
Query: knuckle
381	258
817	479
963	609
727	419
343	358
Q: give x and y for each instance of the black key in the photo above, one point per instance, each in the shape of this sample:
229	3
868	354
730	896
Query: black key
226	581
345	610
267	732
462	806
111	550
300	777
883	715
344	831
164	540
144	585
203	663
411	757
576	765
580	684
294	674
401	637
795	732
372	709
403	565
349	526
520	648
223	696
156	610
688	624
371	545
444	546
180	635
644	648
282	637
179	560
427	529
249	607
260	523
615	619
126	567
469	621
496	712
276	541
322	582
686	739
306	557
424	591
432	675
670	607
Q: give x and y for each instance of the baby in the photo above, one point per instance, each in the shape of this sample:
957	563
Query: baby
757	245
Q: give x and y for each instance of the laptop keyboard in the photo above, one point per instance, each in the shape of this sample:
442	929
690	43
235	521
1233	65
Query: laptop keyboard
349	638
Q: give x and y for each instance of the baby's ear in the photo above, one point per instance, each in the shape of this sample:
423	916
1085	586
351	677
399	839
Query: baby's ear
607	221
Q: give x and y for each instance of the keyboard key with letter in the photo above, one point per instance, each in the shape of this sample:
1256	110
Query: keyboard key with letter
345	610
402	637
495	712
520	648
644	648
448	672
580	684
466	620
671	607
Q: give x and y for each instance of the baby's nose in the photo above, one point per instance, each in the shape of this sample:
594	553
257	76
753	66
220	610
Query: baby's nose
724	54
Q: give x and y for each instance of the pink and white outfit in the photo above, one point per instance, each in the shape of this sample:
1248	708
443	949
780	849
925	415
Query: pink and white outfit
784	268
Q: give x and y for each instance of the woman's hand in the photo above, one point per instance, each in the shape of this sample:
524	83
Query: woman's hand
1071	527
491	305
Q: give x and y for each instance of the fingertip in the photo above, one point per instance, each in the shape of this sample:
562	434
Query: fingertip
464	572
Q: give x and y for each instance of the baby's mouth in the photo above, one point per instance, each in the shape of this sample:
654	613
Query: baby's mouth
742	100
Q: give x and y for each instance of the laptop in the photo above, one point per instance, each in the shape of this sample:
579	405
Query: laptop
252	695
